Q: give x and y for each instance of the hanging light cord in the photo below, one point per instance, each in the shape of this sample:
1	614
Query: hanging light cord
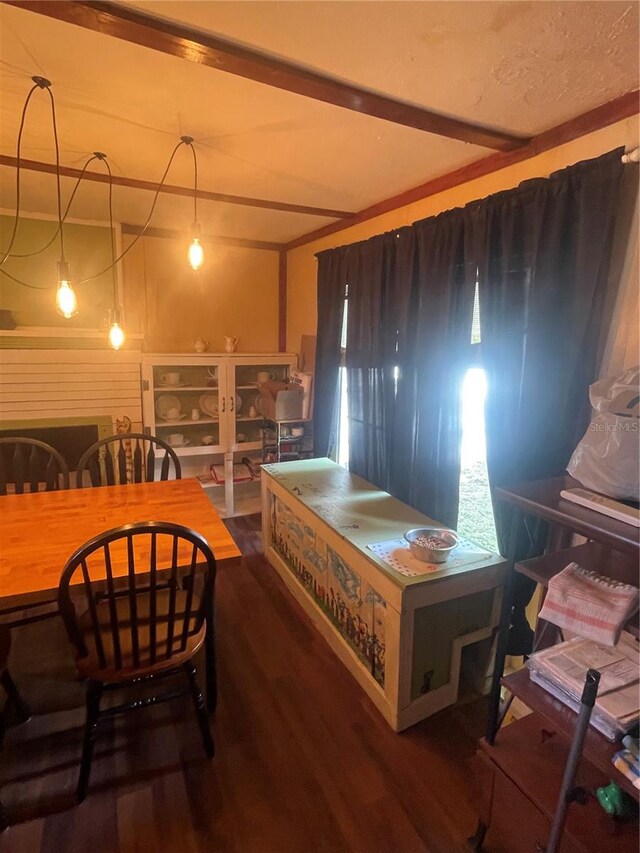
195	178
58	189
41	83
112	235
18	147
129	247
64	215
146	224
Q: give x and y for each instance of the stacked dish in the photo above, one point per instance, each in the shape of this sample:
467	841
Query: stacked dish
168	408
209	405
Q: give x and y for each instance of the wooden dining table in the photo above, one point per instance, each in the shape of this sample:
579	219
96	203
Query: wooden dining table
40	531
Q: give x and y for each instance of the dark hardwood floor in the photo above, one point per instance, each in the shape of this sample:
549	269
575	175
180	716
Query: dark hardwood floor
304	761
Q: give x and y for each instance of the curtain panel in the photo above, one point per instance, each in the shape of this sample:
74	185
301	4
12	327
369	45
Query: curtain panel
540	255
543	254
332	278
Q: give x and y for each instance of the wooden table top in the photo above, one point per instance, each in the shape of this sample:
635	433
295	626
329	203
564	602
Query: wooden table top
40	531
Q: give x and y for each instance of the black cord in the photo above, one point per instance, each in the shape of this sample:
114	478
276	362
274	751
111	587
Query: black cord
113	239
18	146
195	182
146	224
31	254
64	216
59	192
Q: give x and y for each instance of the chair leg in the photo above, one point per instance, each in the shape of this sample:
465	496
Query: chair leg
94	693
14	698
201	709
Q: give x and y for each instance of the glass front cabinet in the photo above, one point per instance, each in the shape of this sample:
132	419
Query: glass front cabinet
207	407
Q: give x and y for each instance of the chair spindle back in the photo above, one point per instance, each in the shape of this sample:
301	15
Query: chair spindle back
150	604
126	458
28	462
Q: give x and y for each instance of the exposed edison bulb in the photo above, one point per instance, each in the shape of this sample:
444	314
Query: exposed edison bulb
196	252
66	302
116	335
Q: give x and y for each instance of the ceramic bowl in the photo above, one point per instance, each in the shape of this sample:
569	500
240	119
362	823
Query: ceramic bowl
431	555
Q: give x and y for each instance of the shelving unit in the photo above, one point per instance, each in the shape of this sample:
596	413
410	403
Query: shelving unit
275	434
524	762
524	775
235	432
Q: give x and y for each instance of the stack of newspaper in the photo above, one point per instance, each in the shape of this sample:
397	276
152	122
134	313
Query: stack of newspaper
561	671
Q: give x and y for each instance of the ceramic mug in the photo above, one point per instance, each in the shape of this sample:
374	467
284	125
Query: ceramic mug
195	414
264	376
176	439
171	378
208	440
253	412
200	346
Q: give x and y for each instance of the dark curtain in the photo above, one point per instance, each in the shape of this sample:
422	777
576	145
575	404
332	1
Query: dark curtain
408	339
540	255
543	253
433	323
370	355
331	295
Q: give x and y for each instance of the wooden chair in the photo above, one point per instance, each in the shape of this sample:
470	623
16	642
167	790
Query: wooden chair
29	462
111	461
127	630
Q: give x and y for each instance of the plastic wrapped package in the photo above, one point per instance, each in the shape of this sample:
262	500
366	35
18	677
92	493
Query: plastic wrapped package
607	458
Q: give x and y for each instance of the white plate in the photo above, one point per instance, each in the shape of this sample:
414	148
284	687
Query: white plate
172	385
209	405
238	404
165	403
258	404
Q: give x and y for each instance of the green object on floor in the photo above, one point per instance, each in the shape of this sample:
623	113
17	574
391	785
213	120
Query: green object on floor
614	800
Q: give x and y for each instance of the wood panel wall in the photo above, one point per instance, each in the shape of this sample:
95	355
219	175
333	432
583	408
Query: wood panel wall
46	384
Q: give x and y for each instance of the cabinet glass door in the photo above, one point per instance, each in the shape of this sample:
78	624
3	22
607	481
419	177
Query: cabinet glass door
188	406
245	400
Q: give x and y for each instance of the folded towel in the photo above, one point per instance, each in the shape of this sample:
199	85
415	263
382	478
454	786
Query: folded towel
589	604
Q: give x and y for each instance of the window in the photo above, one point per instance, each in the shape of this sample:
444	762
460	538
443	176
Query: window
343	416
475	518
475	514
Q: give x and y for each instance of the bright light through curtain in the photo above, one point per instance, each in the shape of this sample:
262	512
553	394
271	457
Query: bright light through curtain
540	255
407	345
543	252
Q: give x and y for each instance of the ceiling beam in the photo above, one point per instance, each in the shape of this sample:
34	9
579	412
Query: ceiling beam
173	234
194	45
171	189
606	114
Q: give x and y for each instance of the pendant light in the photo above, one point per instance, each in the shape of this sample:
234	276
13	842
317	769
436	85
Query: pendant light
66	302
116	335
195	254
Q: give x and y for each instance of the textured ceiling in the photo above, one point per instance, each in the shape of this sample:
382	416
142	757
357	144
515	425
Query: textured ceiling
522	67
